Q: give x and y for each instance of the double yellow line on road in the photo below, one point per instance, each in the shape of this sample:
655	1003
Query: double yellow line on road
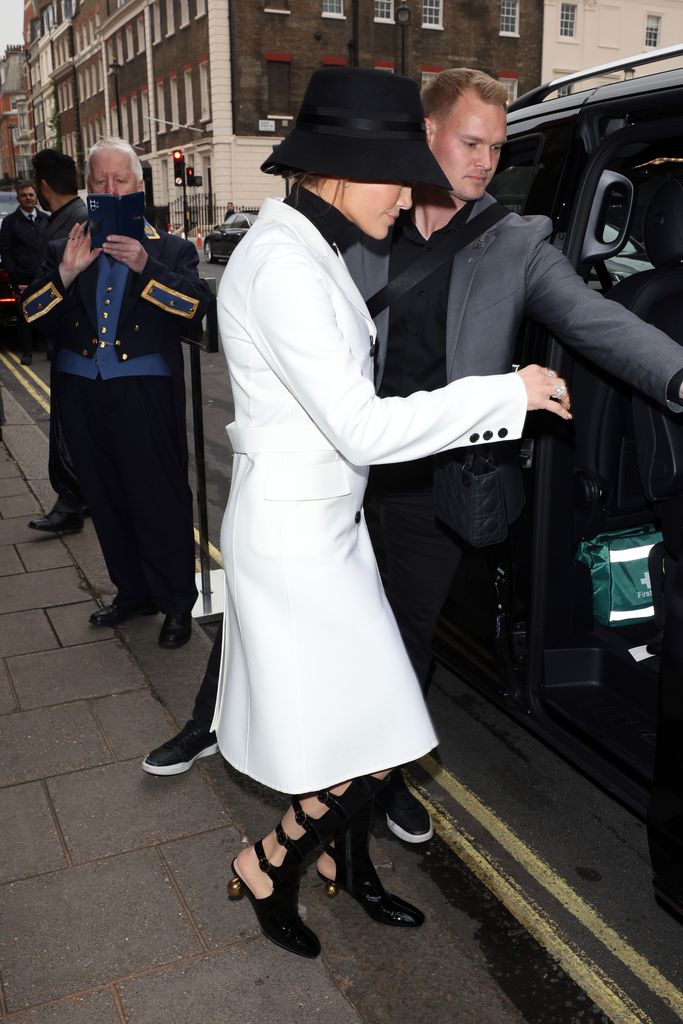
604	992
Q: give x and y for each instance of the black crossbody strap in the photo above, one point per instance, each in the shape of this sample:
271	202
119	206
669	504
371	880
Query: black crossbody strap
445	250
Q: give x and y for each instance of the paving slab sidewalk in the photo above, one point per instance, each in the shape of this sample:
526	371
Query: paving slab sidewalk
112	882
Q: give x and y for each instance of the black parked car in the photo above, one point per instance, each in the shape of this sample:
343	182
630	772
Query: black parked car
220	243
537	640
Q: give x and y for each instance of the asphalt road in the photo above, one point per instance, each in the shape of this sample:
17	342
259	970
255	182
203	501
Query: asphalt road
543	876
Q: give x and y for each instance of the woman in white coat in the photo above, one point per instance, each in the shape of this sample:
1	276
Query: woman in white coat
317	696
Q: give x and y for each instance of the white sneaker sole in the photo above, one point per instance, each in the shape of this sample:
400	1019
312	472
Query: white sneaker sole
410	837
180	766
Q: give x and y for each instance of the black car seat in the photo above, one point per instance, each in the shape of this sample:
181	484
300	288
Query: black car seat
657	297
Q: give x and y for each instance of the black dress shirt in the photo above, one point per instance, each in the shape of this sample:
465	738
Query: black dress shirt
416	348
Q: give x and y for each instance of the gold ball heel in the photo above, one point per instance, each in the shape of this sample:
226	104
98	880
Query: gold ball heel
235	885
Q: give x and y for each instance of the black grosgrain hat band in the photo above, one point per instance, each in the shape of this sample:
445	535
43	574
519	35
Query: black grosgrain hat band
362	124
326	121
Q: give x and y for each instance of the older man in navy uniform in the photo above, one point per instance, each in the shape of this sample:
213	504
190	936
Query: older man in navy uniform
117	315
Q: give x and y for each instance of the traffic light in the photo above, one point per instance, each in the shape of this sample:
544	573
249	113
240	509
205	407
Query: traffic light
189	171
179	166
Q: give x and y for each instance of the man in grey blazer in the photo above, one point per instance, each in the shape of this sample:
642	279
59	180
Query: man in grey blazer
464	320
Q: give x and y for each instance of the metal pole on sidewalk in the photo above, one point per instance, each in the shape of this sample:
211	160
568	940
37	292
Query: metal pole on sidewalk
210	345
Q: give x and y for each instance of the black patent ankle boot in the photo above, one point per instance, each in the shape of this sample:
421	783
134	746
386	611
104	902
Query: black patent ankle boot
278	914
357	876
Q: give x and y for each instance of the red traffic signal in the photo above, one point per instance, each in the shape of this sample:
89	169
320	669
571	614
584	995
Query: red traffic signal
178	166
189	172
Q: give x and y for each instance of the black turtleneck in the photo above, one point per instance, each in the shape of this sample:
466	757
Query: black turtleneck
332	225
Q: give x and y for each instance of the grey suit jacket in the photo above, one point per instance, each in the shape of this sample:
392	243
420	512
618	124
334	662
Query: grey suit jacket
510	272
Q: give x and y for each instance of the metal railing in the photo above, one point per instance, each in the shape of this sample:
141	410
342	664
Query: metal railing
204	209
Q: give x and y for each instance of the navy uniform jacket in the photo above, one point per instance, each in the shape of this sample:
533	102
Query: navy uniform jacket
162	304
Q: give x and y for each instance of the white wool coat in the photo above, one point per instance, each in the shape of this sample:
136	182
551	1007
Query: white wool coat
315	684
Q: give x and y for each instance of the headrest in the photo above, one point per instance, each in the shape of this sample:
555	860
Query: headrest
663	225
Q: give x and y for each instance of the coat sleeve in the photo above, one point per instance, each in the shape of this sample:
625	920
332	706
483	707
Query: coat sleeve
604	332
173	284
46	299
292	322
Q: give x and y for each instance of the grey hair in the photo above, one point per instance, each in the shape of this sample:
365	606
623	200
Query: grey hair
118	146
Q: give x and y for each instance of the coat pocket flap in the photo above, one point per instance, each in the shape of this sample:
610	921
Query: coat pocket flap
294	482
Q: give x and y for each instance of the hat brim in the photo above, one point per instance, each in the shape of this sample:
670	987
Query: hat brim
402	161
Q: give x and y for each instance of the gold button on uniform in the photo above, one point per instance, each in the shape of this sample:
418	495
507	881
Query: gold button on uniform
124	356
107	302
84	352
105	315
102	344
103	330
136	327
117	342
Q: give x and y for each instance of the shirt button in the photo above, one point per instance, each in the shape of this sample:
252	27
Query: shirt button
474	438
503	432
487	435
357	517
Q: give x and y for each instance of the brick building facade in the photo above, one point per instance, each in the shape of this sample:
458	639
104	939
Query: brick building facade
222	79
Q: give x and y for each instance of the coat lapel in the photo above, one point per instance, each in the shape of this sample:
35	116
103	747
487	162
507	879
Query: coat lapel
275	210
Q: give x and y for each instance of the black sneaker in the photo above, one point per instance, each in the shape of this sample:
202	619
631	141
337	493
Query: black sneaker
179	754
407	818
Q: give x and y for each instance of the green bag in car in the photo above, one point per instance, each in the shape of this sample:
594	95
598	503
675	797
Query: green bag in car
622	591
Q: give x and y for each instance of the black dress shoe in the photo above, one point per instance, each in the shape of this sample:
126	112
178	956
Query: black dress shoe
176	631
113	614
58	522
179	754
407	818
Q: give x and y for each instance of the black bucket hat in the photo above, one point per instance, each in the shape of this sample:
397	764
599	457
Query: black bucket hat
359	123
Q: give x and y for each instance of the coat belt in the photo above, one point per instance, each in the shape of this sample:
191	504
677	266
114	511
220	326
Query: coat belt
261	440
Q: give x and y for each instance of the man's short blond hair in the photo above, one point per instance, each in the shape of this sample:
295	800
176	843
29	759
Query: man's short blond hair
445	89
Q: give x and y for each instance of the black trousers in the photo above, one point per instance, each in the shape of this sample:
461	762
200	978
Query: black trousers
205	701
422	556
60	464
124	442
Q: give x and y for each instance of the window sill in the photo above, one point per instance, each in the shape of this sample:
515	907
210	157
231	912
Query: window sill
509	35
185	24
433	28
335	17
277	10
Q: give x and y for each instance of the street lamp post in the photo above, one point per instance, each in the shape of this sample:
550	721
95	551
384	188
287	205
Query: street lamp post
403	18
114	69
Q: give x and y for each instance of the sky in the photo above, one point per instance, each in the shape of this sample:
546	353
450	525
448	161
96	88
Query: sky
11	23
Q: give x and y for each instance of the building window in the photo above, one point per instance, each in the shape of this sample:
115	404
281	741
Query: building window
189	102
568	21
156	21
333	9
161	108
510	83
173	86
384	10
144	111
201	8
653	30
141	35
509	17
124	120
134	120
204	91
170	23
279	88
130	48
184	13
432	11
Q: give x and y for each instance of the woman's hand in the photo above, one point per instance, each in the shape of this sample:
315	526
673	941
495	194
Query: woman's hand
77	254
545	390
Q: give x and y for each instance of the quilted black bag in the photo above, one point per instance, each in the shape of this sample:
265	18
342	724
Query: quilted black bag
469	497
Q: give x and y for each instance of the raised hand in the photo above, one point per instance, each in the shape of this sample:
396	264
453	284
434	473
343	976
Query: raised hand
77	254
126	250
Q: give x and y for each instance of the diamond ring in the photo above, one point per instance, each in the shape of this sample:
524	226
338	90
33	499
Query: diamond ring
559	390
